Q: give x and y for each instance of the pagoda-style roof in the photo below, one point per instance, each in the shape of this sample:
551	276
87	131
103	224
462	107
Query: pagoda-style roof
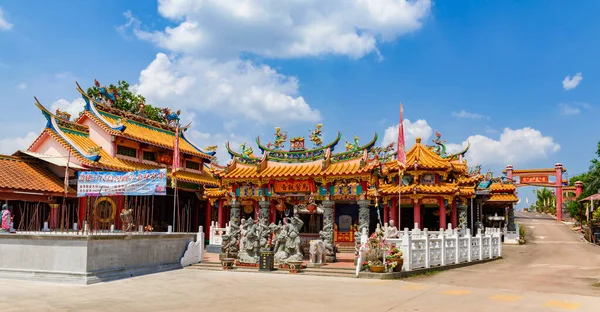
18	174
317	162
503	198
138	128
76	139
443	188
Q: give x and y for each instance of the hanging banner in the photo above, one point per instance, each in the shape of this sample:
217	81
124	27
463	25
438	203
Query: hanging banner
106	183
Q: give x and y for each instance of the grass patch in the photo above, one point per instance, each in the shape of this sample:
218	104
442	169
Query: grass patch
426	274
596	284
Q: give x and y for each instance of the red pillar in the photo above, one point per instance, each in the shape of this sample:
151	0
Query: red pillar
82	204
442	213
386	213
272	211
578	189
208	218
559	194
454	218
221	213
53	216
417	213
394	208
509	172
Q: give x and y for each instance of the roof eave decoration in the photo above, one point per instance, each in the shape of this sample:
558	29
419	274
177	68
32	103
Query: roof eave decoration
296	156
52	123
356	152
241	157
92	109
211	153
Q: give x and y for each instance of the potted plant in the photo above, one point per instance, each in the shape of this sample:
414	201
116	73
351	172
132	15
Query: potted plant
376	266
394	259
375	253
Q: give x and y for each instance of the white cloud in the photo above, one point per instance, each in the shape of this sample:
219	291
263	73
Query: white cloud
567	109
519	146
572	82
9	145
22	86
73	108
232	88
412	130
4	24
275	28
203	140
465	114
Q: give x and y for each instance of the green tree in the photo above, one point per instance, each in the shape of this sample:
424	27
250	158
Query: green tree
128	101
545	200
591	185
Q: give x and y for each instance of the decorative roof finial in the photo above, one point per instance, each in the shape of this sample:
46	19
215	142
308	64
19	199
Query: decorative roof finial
418	140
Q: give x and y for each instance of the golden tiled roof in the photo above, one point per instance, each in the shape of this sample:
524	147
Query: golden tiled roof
151	135
203	179
108	162
312	169
19	174
425	158
470	180
467	190
502	188
503	198
214	193
392	189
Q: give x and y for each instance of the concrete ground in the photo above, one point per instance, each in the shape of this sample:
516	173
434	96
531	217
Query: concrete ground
549	274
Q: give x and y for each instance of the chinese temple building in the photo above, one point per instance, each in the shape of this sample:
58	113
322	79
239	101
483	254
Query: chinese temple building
104	138
356	188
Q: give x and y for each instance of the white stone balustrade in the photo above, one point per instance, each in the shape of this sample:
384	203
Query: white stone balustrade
216	233
425	249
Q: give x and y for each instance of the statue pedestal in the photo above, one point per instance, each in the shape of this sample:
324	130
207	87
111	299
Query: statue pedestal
315	265
267	261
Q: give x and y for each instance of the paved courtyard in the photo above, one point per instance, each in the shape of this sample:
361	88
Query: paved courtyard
555	272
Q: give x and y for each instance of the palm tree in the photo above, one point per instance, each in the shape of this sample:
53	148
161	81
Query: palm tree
545	200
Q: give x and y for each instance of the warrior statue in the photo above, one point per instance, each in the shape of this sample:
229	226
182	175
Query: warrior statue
229	246
280	239
264	234
250	243
326	236
292	241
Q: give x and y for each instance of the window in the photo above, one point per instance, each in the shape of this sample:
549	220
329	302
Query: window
126	151
151	156
192	165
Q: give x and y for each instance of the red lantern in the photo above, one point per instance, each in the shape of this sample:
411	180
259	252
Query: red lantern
311	208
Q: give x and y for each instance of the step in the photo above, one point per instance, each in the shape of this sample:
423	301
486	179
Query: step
323	271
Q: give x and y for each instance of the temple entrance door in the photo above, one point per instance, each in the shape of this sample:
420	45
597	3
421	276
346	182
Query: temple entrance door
346	215
431	221
407	219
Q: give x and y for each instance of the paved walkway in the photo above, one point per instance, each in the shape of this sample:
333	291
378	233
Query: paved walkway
549	274
554	260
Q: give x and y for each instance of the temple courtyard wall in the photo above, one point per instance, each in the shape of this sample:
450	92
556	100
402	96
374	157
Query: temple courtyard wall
89	259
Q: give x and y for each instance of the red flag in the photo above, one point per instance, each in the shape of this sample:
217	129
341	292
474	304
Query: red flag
401	151
175	152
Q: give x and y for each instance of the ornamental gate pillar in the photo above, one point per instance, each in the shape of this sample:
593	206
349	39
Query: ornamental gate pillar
328	227
234	214
265	210
558	167
363	215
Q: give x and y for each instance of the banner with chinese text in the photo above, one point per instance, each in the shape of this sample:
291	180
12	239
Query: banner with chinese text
106	183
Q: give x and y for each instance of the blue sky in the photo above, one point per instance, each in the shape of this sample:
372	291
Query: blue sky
470	69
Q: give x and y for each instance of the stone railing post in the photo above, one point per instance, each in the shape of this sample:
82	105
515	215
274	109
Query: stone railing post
234	215
480	238
407	250
456	246
265	209
363	215
443	236
427	250
469	245
499	245
328	219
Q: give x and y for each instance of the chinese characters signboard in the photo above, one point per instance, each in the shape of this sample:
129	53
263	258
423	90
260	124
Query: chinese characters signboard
105	183
294	186
534	179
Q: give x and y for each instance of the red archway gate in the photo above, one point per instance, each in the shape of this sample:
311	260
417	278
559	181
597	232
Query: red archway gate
547	177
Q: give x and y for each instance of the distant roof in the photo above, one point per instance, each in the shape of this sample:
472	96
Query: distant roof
25	175
55	160
592	197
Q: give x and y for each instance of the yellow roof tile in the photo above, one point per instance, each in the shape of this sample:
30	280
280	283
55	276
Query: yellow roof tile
503	198
470	180
392	189
425	158
502	188
151	135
